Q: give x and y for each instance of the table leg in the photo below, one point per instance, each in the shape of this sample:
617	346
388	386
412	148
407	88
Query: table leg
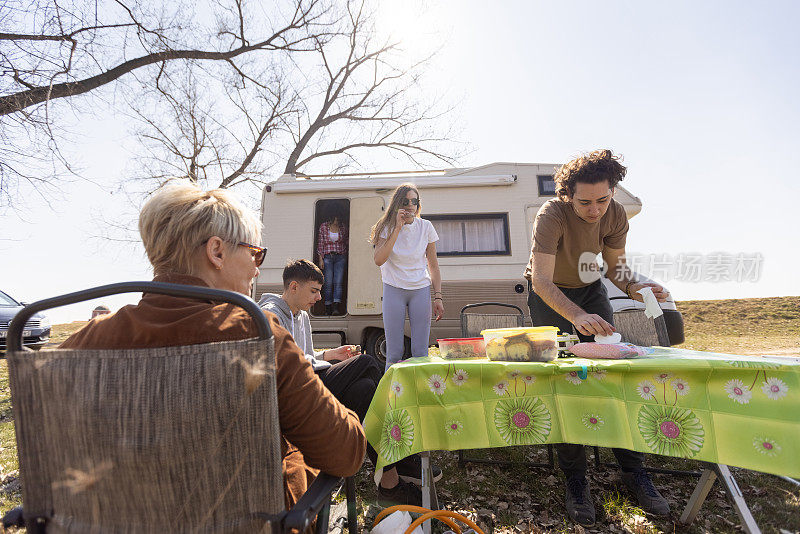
429	497
735	495
710	474
698	496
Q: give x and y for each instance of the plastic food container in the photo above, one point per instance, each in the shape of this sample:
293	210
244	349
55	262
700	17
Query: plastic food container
532	344
462	348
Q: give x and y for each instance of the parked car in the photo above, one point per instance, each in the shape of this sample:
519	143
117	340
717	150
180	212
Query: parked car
37	330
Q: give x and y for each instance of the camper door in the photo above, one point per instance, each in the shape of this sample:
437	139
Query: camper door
364	287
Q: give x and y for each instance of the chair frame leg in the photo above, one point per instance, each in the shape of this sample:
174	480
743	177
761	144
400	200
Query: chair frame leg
323	518
352	515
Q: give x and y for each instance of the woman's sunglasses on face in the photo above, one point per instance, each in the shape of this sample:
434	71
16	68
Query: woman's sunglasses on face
258	252
412	201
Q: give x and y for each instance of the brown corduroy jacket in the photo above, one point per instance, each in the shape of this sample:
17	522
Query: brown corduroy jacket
318	432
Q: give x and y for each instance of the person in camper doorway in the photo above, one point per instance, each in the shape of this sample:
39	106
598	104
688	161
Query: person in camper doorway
332	240
351	377
405	250
569	232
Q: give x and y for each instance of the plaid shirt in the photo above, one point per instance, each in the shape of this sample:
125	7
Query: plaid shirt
326	246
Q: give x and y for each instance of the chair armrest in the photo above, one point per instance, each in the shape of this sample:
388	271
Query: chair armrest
306	509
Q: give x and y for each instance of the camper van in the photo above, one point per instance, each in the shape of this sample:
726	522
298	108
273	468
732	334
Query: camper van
483	215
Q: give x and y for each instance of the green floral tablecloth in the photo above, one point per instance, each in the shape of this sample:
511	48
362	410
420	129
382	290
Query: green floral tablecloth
734	410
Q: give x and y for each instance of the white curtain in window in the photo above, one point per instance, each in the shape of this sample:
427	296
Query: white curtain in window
451	238
485	235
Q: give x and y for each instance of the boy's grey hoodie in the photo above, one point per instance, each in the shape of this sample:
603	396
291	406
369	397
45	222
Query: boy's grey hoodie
298	325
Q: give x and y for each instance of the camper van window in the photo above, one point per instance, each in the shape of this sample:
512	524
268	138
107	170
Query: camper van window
483	234
547	187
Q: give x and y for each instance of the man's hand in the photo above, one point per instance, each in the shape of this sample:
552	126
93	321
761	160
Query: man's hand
345	352
592	324
438	309
660	293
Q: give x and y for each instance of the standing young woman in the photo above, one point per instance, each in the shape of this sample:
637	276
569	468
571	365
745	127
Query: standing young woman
405	250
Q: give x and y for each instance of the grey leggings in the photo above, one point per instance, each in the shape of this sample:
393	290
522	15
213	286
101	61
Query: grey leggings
395	302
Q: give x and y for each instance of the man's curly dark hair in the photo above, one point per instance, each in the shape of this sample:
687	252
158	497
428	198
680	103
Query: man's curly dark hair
591	168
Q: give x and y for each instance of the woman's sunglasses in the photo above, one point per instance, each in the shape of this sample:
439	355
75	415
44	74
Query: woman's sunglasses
258	252
412	201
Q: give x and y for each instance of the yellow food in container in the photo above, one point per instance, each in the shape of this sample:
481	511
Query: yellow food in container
531	344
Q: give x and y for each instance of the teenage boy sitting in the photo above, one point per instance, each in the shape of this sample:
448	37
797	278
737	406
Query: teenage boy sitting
352	379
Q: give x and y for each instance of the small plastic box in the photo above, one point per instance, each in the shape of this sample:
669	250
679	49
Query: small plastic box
532	344
462	348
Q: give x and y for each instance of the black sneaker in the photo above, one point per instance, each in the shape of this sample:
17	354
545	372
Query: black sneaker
579	501
402	493
409	469
646	494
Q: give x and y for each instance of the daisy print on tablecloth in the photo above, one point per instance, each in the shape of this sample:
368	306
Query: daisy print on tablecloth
513	374
599	374
663	378
397	388
522	420
680	386
573	378
646	390
528	379
501	388
397	435
453	427
436	384
738	392
670	430
460	376
592	421
774	388
766	446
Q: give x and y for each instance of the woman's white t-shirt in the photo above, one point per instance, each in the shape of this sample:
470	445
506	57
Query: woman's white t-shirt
407	266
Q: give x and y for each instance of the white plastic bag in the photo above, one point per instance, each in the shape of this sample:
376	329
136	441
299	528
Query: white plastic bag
395	523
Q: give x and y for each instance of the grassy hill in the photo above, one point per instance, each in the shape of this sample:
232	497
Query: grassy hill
743	326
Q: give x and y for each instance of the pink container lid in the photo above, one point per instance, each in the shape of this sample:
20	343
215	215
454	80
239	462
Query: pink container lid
461	339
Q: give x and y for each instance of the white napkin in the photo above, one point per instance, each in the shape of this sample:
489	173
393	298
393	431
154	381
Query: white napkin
608	340
651	306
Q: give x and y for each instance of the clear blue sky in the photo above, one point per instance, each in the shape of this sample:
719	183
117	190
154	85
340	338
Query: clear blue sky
700	98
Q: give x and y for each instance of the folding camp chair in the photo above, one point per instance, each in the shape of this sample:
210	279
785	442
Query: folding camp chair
170	439
471	326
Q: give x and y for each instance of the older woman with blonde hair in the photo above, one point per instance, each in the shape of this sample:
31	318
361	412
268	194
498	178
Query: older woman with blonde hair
208	238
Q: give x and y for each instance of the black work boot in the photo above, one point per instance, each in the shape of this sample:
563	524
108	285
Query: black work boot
647	495
579	501
329	309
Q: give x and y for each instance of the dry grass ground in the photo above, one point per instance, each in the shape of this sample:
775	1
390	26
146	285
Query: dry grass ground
505	499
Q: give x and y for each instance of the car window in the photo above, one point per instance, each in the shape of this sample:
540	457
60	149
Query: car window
5	300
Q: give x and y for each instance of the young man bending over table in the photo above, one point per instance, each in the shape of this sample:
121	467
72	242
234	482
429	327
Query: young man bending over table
568	233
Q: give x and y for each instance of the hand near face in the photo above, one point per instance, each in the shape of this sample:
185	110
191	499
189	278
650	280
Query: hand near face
401	218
